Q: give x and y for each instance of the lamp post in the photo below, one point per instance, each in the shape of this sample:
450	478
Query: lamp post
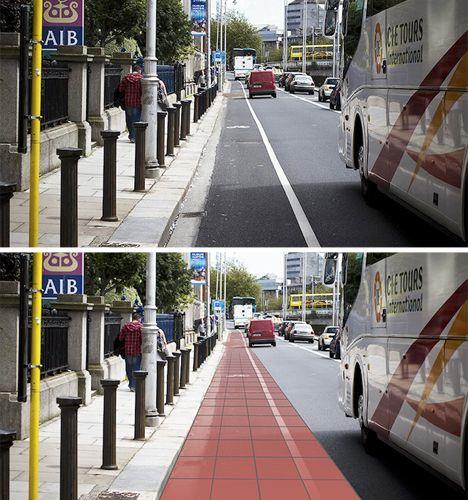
150	84
304	37
285	37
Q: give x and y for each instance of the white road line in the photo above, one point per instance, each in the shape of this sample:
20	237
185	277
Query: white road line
312	352
301	217
318	104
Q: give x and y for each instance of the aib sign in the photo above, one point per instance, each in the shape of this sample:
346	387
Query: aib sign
63	23
62	273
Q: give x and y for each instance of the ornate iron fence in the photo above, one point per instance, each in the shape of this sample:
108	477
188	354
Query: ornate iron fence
166	74
112	324
54	342
112	77
172	325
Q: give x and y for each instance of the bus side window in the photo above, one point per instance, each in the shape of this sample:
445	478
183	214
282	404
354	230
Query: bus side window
353	282
352	27
376	6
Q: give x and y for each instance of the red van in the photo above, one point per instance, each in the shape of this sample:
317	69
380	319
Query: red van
261	331
261	83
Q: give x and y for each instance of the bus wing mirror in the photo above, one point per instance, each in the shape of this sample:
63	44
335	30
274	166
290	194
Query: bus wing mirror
332	4
330	23
330	272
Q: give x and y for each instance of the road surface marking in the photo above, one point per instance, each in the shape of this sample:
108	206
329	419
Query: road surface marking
301	217
239	126
312	352
318	104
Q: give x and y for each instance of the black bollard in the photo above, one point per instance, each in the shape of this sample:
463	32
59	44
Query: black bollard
187	367
170	380
196	108
195	356
6	442
183	121
140	156
208	95
69	447
109	431
171	112
160	388
202	102
183	366
109	200
69	195
188	116
161	146
140	413
6	194
177	356
177	107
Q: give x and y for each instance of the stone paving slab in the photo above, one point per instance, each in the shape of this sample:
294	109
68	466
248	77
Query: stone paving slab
168	189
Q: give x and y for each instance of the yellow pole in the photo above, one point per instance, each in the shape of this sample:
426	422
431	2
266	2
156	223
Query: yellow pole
35	377
35	124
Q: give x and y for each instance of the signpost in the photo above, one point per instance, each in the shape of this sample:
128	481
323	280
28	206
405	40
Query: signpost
63	23
219	57
63	273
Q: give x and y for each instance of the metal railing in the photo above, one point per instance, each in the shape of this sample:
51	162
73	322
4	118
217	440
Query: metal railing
172	325
54	342
54	93
112	77
166	74
112	323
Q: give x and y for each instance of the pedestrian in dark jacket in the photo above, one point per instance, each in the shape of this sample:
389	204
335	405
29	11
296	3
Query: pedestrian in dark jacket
131	336
131	89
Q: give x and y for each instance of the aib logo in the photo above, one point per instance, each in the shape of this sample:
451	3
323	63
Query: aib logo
61	12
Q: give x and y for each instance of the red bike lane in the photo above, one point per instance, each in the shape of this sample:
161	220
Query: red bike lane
248	442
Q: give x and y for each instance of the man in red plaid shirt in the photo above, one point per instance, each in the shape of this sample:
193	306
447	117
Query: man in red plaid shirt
131	336
132	91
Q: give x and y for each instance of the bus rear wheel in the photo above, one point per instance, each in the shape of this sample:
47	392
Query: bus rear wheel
369	438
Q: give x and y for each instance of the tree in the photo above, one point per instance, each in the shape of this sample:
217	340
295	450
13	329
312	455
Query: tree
10	14
9	266
240	33
239	283
107	272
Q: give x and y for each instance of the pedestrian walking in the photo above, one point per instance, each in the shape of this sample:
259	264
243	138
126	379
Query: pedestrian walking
130	89
130	335
201	330
162	342
163	100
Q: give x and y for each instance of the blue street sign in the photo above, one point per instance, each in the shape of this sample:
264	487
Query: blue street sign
218	304
219	56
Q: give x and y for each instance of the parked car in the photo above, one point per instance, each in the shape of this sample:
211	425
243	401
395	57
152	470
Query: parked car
335	98
302	83
290	328
325	339
261	331
302	331
326	89
290	78
282	328
261	83
335	346
283	78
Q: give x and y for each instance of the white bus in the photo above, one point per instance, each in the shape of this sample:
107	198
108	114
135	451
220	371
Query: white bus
243	310
404	351
244	62
404	120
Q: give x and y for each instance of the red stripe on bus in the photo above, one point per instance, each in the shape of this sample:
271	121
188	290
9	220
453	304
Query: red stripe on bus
390	157
401	381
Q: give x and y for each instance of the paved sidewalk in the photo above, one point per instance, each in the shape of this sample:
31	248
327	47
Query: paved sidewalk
143	465
144	218
248	442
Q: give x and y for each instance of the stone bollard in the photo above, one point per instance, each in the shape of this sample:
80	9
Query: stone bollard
161	146
6	442
177	356
170	380
187	117
187	367
160	388
109	428
196	108
183	121
109	200
177	107
69	195
195	356
171	112
140	160
183	367
6	194
140	413
69	447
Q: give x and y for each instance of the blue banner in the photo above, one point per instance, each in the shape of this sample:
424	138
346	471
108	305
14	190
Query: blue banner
199	17
63	274
199	267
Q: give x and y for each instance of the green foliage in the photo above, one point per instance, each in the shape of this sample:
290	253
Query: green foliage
10	14
106	272
239	283
240	33
173	277
9	266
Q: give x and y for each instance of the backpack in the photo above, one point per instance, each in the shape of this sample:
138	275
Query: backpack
119	347
119	98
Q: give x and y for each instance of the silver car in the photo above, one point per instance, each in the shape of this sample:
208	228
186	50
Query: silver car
327	336
302	331
302	83
326	89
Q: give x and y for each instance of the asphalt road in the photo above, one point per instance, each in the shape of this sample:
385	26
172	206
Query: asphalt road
247	205
309	379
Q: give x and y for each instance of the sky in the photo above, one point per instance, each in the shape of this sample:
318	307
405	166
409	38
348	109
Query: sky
260	262
260	11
